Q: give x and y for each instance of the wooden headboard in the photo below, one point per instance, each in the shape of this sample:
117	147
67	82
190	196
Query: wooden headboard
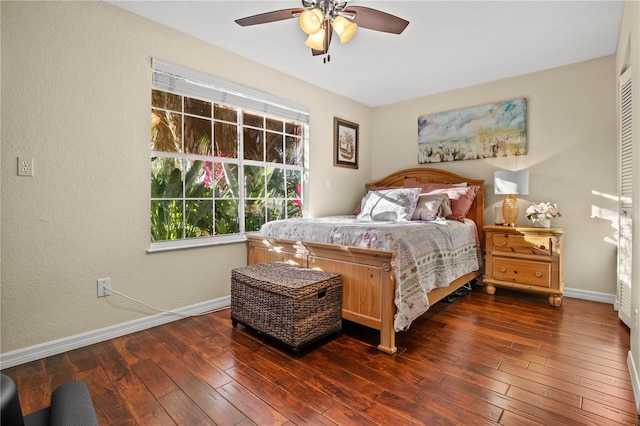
427	175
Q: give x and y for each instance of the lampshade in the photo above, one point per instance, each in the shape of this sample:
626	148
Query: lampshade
510	183
311	21
507	182
316	41
344	28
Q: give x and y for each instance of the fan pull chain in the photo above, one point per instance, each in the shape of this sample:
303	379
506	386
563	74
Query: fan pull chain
326	59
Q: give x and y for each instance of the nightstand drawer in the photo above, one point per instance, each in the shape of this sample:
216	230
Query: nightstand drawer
530	244
522	271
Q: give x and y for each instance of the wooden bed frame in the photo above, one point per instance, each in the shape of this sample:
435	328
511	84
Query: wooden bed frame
367	277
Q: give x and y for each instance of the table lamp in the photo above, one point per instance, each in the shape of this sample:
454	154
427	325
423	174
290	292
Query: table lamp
510	184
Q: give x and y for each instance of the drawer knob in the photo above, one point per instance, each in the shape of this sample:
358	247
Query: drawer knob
540	246
538	274
503	243
503	269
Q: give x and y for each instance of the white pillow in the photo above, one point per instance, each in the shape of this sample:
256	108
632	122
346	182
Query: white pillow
389	204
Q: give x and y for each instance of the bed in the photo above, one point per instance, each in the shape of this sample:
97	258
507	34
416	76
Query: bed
369	274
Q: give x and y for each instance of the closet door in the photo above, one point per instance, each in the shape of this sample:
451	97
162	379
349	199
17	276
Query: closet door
625	196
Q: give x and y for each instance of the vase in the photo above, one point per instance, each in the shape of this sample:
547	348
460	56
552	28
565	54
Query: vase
541	223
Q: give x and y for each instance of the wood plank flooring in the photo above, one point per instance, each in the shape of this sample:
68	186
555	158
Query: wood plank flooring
507	359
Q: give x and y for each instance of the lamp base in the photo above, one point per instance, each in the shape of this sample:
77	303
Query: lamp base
510	210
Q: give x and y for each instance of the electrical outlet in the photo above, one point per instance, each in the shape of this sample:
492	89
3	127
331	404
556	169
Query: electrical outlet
25	166
104	287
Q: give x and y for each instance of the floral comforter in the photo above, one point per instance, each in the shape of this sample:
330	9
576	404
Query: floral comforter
426	255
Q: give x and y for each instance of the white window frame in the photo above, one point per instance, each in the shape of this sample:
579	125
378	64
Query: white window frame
182	81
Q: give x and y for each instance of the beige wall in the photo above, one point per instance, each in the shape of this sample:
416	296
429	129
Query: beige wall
629	41
76	80
571	127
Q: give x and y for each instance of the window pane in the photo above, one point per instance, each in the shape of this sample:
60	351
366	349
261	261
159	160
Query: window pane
160	99
226	140
294	151
227	221
294	208
275	152
292	128
166	220
197	107
275	210
294	184
166	178
197	136
253	144
226	180
198	180
225	113
253	215
254	182
274	124
166	131
275	186
198	218
253	120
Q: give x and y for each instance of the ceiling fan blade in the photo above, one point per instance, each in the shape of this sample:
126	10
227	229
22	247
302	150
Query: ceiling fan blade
263	18
327	40
374	19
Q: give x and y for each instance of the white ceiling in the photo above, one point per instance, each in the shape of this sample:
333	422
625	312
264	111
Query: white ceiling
447	45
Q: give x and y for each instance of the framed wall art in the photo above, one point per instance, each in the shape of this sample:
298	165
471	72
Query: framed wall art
492	130
345	143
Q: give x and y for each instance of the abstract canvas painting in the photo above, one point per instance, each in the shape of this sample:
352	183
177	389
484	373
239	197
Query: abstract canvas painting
485	131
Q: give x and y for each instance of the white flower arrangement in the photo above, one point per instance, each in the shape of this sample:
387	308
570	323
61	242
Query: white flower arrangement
542	211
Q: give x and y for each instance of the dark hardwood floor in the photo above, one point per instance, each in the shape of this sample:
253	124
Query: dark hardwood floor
508	359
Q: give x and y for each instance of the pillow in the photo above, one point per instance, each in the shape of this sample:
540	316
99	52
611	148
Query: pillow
358	208
431	206
389	204
461	196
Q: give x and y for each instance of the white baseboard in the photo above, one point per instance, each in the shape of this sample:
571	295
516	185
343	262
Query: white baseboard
635	383
42	350
32	353
594	296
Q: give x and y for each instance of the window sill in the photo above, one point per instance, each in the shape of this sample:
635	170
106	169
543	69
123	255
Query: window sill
195	243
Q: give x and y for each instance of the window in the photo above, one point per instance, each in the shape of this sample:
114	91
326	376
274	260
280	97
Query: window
224	159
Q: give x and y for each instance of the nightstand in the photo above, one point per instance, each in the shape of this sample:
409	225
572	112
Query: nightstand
524	258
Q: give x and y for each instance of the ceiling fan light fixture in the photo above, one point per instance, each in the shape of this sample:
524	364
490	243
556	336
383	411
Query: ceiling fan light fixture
344	28
316	41
311	21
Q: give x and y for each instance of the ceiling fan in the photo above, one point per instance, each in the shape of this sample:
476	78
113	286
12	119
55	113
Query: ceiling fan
319	18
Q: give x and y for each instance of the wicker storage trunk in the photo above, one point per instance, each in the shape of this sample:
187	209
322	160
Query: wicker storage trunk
295	306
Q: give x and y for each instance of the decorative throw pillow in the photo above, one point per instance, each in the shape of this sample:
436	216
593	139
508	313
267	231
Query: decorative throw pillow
389	204
358	208
431	206
461	196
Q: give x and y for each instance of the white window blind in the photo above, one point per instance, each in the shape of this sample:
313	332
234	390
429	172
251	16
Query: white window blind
174	78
